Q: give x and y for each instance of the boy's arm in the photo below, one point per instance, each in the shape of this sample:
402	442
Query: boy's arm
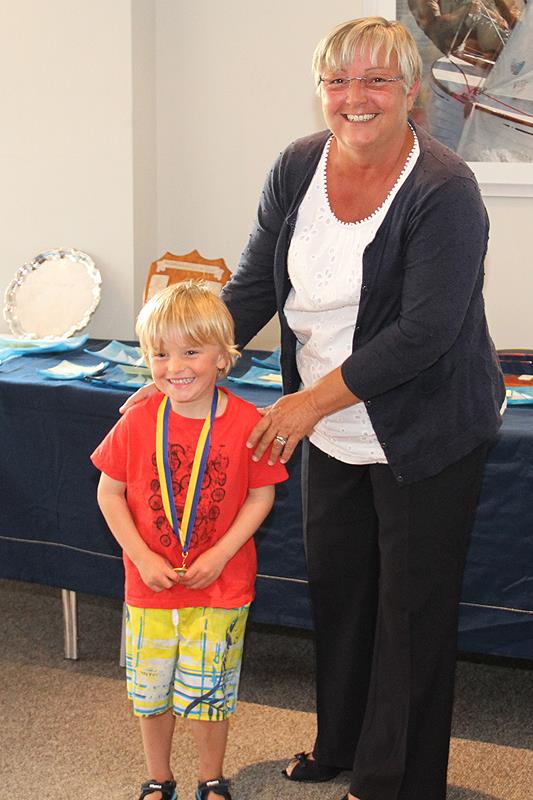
156	571
210	564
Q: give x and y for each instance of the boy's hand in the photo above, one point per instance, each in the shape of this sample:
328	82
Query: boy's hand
157	573
204	570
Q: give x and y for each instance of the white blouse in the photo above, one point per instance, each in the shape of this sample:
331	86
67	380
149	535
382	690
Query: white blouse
325	264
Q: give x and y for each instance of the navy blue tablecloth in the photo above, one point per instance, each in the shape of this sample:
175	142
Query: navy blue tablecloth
52	532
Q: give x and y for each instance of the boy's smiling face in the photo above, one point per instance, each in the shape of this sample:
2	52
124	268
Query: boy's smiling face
187	372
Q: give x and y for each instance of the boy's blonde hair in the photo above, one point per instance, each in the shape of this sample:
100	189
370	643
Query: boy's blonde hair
188	310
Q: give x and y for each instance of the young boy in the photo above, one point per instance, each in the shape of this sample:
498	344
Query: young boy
183	497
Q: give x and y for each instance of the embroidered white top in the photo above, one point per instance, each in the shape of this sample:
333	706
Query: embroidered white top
325	265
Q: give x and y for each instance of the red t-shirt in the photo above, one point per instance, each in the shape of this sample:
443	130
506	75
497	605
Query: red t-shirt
127	454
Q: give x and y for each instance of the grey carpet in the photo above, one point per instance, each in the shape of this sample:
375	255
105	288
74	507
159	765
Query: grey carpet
67	730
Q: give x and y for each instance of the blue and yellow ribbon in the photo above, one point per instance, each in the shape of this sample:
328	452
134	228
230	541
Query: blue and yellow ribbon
183	532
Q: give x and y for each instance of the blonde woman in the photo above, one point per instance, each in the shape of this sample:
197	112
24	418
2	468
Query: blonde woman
369	245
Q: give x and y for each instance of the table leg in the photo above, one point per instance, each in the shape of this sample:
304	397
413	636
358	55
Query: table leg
70	623
122	660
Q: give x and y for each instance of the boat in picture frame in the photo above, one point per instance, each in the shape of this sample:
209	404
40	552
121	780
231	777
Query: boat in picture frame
480	103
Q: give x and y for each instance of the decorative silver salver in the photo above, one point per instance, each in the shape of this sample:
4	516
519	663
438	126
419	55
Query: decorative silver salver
53	295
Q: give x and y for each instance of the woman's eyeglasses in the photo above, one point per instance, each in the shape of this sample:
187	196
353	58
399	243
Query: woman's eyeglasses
374	83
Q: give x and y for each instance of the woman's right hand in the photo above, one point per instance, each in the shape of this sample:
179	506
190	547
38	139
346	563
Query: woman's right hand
140	394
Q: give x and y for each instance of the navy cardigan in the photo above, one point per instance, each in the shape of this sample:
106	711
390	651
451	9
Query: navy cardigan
422	360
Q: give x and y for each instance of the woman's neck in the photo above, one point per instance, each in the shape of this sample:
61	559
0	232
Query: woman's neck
374	175
350	162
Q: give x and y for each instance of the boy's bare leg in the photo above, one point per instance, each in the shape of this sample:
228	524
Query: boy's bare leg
157	732
210	738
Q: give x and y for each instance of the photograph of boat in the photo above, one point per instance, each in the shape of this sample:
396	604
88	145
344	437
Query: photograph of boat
477	94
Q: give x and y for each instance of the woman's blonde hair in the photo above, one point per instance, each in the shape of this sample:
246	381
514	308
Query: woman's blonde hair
187	310
369	35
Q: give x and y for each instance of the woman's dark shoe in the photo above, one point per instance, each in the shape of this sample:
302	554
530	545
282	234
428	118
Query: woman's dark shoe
218	786
167	789
307	770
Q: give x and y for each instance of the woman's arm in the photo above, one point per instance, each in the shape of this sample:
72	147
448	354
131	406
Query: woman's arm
156	572
294	416
443	251
208	566
442	268
141	394
250	295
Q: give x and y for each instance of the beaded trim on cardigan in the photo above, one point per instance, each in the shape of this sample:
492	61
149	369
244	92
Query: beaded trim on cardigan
399	179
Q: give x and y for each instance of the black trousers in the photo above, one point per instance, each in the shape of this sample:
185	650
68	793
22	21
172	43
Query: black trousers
385	565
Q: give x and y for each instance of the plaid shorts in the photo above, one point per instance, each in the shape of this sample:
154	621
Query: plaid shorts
185	659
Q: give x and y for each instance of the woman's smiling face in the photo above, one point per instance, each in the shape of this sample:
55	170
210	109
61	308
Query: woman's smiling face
367	120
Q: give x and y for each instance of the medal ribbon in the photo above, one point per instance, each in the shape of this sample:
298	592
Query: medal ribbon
183	532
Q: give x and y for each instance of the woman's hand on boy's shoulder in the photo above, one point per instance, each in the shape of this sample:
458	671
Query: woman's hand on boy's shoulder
141	394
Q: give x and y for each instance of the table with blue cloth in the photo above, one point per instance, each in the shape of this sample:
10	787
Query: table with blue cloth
52	531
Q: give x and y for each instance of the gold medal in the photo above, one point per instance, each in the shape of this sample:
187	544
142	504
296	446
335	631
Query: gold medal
183	569
183	533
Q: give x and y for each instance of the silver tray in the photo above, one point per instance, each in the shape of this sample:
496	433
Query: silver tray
53	295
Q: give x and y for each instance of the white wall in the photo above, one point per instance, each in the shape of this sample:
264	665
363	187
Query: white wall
133	127
66	142
234	87
509	271
145	200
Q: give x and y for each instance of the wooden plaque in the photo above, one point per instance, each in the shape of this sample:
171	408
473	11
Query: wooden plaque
171	268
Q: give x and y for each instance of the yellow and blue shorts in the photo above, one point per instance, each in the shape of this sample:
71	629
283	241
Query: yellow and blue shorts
184	659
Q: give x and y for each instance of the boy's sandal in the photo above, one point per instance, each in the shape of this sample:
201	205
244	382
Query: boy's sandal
308	770
218	786
167	789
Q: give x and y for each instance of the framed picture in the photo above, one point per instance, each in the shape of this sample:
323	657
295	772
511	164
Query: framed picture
476	95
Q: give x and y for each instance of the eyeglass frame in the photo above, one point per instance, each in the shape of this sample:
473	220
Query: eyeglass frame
364	79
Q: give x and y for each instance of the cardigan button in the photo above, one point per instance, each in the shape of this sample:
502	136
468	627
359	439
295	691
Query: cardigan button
364	288
399	478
